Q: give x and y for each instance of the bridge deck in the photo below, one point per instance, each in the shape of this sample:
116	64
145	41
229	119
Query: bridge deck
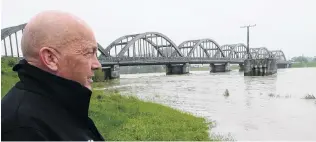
133	61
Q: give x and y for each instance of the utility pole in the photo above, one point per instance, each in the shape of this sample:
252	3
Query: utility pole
248	37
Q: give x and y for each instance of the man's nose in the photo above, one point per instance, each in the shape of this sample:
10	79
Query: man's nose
96	64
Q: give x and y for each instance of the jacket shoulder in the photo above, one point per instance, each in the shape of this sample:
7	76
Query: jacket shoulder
25	112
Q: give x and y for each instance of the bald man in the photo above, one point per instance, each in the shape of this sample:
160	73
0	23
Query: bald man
51	100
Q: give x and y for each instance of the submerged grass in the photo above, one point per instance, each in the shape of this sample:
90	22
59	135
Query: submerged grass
308	96
128	118
279	96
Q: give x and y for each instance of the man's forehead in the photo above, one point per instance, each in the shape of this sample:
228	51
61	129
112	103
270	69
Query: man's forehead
89	45
84	46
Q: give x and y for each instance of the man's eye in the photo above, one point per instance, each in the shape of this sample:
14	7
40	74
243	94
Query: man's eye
88	54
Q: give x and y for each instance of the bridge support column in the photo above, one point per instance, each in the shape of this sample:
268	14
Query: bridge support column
177	68
222	67
272	67
260	67
112	72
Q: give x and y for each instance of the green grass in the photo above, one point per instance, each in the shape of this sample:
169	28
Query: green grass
8	77
128	118
302	65
7	82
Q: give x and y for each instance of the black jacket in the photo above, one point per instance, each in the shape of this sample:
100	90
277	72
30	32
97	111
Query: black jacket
42	106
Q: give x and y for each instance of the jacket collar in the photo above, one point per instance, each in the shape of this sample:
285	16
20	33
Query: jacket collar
70	94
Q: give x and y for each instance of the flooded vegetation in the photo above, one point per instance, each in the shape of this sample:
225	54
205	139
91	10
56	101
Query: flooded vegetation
279	96
309	96
226	94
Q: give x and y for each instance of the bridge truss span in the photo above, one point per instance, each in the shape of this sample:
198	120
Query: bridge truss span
233	51
149	44
279	55
202	48
260	53
7	35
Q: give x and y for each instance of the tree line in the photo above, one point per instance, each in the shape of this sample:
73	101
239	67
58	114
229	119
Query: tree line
303	59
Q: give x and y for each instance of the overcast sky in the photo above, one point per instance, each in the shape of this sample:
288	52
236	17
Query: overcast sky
281	24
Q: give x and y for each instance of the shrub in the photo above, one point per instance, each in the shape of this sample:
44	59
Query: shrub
98	76
309	96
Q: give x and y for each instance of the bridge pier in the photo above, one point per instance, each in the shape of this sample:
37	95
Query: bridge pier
177	68
222	67
260	67
282	66
112	72
272	66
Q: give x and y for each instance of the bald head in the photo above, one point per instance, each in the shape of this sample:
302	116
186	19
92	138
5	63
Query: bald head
53	29
62	44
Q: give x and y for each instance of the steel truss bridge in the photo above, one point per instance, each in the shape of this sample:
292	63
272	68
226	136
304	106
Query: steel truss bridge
154	48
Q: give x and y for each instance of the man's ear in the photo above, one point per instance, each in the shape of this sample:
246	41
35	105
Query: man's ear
49	58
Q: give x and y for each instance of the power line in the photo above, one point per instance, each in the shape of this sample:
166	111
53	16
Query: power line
248	37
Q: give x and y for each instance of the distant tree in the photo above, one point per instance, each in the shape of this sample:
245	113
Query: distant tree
300	59
314	59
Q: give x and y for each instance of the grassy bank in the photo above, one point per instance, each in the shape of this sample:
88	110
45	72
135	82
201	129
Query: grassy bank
304	64
128	118
8	77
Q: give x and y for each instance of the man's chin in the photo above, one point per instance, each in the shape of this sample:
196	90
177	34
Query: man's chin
89	87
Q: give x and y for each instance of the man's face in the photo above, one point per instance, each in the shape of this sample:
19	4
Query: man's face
78	62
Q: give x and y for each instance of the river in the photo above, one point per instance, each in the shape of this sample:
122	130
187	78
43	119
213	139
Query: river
257	108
